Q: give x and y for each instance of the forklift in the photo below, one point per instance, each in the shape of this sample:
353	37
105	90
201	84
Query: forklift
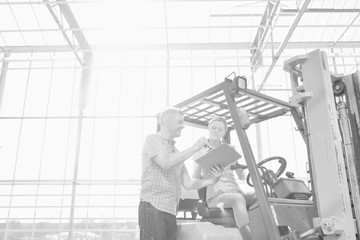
326	110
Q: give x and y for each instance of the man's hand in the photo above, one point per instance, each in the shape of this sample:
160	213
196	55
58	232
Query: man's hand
200	143
217	171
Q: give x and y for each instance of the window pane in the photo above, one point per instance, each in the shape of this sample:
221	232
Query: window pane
9	137
38	92
14	93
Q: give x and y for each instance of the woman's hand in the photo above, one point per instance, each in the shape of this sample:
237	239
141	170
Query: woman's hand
217	171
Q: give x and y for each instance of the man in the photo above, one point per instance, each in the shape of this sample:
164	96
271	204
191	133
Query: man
163	173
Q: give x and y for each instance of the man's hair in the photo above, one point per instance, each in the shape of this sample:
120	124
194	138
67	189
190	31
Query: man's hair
168	112
218	119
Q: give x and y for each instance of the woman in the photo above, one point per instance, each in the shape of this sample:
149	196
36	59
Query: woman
225	193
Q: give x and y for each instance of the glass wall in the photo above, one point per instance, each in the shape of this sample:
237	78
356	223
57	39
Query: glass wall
71	174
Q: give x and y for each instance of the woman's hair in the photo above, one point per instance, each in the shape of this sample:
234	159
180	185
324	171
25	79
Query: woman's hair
218	119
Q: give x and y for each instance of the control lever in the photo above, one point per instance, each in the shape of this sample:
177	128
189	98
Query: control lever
290	174
237	165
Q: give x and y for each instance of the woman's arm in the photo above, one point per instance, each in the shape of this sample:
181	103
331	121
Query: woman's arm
189	183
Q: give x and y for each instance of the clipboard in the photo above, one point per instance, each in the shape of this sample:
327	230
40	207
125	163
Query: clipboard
224	154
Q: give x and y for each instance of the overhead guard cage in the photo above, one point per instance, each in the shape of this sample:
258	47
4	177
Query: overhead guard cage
223	100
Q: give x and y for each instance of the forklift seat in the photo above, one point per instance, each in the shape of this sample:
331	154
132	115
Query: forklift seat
218	216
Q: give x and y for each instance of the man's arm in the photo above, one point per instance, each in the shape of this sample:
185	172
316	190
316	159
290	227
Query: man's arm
170	160
197	168
189	183
197	171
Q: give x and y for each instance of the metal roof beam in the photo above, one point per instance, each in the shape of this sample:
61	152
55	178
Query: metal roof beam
70	18
109	1
246	14
175	27
58	23
323	10
178	47
262	33
285	42
289	12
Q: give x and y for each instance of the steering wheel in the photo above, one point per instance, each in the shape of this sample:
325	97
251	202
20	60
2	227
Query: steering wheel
266	173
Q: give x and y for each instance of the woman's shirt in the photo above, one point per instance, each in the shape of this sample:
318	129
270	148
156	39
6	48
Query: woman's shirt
226	184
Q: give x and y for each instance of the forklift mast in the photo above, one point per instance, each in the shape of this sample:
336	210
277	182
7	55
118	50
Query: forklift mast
330	110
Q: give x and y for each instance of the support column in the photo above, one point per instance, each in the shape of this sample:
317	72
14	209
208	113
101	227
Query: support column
85	79
4	69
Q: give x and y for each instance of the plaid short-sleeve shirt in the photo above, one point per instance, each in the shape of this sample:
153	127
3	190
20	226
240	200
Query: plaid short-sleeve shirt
162	188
